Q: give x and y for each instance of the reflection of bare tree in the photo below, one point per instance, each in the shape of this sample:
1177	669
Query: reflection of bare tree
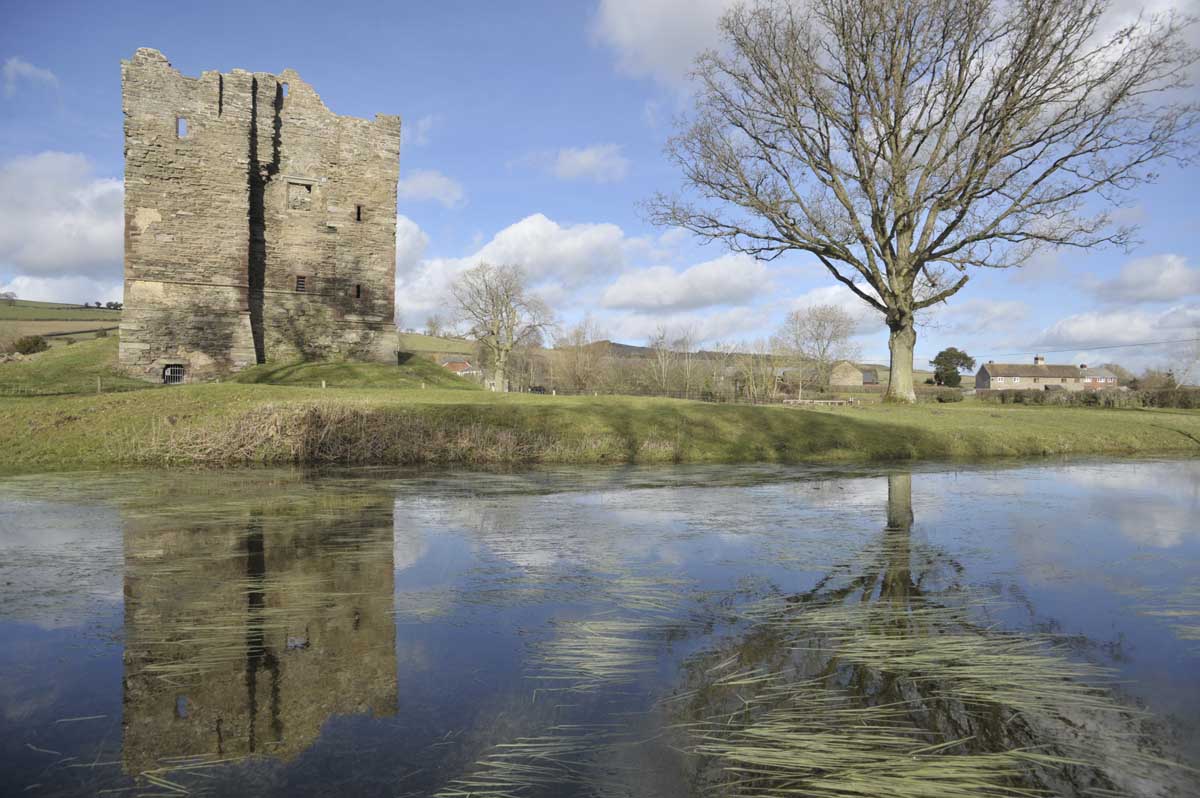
246	631
882	681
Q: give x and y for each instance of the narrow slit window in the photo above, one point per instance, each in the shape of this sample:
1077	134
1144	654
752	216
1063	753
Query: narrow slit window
301	283
358	290
181	127
358	213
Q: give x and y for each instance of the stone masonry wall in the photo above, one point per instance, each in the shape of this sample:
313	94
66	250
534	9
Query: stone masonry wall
259	225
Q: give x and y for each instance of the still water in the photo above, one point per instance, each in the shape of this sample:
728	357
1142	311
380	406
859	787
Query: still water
986	631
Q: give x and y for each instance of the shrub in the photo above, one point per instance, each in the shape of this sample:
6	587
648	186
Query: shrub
950	397
31	344
101	333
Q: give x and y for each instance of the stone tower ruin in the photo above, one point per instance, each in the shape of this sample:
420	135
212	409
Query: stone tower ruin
258	224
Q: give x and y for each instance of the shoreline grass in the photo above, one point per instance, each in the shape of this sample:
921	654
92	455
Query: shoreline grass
232	424
392	420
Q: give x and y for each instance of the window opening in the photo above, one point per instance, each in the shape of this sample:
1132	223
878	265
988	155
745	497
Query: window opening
299	196
358	290
181	127
285	89
301	283
173	374
358	213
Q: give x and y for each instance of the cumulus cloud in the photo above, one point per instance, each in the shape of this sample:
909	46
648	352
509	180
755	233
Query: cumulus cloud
727	280
602	163
552	254
16	71
57	218
658	39
411	243
1105	328
1158	278
430	184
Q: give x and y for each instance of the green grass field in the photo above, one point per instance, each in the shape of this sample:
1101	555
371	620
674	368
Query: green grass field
23	317
250	421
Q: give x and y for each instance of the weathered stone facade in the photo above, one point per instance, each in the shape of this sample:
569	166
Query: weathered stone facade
258	224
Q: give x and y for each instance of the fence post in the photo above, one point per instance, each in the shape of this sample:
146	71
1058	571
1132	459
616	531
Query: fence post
98	383
322	385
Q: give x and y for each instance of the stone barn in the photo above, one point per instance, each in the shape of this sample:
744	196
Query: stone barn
259	225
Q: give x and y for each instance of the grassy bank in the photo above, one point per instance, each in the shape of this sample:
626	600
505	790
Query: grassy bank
271	414
229	424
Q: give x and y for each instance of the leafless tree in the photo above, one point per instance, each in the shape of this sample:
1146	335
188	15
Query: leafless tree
500	312
581	354
815	339
903	142
684	344
662	359
434	325
758	372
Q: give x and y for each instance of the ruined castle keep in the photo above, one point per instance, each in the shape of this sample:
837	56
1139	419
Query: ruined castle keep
259	225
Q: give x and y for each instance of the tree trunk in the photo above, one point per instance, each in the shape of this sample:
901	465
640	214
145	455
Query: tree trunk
499	373
901	342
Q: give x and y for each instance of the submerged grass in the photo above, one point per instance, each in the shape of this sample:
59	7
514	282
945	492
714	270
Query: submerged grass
908	699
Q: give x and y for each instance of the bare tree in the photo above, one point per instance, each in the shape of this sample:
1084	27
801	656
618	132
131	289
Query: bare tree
758	372
685	349
815	339
500	312
581	355
903	142
434	325
662	358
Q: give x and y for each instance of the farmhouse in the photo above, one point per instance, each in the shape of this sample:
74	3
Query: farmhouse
847	375
258	224
1037	376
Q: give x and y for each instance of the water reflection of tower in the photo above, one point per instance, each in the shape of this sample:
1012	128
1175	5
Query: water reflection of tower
245	635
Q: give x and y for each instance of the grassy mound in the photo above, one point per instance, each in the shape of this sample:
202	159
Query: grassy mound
416	373
68	370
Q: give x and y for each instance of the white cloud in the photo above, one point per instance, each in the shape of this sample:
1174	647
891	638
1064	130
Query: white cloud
658	39
1103	327
709	327
16	70
411	243
730	279
866	318
76	288
603	163
430	184
57	218
552	255
984	315
1157	278
417	133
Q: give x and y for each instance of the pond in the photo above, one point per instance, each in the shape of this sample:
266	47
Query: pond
689	631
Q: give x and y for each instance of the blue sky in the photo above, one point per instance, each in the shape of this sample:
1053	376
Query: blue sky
532	132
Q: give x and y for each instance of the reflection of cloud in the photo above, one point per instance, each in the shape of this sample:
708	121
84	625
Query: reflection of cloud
1153	504
57	561
409	544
